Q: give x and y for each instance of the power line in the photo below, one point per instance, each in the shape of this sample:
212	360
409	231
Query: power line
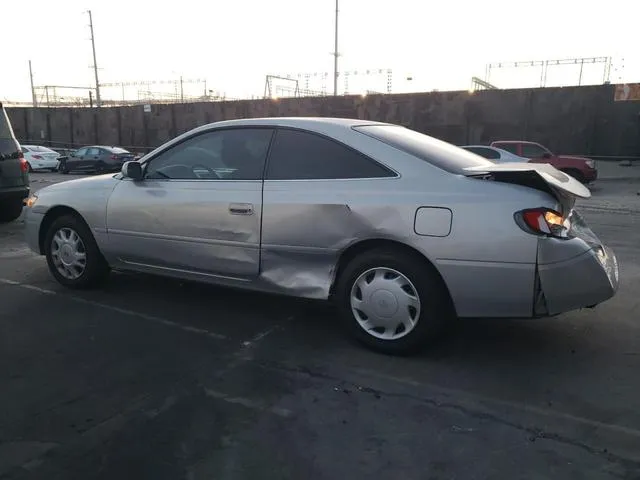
95	62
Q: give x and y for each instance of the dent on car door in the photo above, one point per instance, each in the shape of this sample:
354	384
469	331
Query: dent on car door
308	216
198	209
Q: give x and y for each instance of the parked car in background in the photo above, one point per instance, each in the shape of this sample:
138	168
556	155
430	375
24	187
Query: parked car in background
100	159
494	154
40	158
401	230
14	172
581	168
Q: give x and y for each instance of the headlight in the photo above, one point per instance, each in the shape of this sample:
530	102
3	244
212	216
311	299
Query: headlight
31	201
591	163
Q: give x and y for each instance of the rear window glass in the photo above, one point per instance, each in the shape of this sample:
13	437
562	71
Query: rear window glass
35	148
436	152
118	150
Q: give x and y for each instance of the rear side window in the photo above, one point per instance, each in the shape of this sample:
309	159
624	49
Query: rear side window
93	151
488	153
531	150
299	155
436	152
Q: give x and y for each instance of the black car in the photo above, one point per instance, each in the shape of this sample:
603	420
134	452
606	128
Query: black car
98	158
14	172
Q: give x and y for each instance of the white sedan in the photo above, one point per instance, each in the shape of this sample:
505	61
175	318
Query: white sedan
40	158
497	155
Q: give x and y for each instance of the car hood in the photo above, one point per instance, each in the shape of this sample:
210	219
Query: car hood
530	174
106	181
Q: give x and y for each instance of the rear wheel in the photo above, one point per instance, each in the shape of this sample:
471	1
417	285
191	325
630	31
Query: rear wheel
73	256
10	210
393	301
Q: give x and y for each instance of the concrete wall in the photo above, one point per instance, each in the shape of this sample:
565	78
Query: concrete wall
582	120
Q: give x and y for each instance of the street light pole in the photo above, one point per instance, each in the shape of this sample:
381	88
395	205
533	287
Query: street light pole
335	55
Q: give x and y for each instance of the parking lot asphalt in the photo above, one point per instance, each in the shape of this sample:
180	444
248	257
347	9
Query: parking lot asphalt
155	378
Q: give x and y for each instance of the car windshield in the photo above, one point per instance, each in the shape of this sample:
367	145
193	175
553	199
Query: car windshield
436	152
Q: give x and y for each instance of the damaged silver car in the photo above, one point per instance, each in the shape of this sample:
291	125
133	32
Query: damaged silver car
404	232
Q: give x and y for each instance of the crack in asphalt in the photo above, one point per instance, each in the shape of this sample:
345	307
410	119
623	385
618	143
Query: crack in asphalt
535	433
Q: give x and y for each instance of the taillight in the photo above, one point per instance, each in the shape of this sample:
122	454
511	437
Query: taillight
543	221
24	167
36	157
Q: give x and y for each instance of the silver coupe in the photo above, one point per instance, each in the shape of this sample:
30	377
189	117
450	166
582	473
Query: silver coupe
402	231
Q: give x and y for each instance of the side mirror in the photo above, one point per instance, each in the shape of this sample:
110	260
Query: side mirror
132	170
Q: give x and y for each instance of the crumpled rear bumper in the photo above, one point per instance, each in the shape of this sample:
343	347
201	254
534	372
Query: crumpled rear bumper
576	273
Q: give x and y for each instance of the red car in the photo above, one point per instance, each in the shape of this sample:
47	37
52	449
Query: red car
580	168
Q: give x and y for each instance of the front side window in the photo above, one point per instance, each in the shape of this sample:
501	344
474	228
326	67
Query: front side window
532	150
93	151
230	154
508	147
300	155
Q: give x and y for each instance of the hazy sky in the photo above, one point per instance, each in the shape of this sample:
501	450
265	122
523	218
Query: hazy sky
233	44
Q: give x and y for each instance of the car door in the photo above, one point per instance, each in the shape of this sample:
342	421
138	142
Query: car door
311	186
74	161
198	209
91	158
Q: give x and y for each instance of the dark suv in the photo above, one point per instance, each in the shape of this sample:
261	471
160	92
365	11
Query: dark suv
14	175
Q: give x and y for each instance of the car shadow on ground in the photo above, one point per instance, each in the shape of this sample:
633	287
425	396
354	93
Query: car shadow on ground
317	325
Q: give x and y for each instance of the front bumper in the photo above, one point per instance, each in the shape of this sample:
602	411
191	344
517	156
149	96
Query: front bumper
32	222
590	175
576	273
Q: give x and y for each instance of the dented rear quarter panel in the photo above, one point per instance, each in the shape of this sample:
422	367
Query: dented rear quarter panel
487	261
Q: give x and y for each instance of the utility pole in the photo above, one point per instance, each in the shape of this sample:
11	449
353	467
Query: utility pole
95	62
181	91
335	55
34	99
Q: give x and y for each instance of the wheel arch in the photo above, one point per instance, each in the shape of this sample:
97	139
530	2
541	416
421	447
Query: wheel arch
358	248
49	217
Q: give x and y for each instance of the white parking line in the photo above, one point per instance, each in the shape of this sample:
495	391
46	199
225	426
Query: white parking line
124	311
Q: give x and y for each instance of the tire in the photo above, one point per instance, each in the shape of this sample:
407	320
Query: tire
63	167
29	168
53	170
10	210
577	174
95	271
434	309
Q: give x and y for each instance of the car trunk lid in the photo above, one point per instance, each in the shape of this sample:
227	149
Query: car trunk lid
541	176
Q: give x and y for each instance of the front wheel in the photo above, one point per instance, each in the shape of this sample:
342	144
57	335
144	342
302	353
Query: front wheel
393	301
72	254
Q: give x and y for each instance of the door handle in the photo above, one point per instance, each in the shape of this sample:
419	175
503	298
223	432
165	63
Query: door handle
241	209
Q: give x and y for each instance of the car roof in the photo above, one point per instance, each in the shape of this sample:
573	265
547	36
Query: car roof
512	141
298	121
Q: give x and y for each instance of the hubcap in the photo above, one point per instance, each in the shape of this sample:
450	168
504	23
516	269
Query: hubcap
385	303
68	253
